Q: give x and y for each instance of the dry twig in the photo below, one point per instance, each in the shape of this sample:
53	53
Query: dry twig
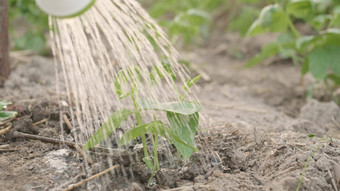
5	130
40	122
79	184
76	146
333	181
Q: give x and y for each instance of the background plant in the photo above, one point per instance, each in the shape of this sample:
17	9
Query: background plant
318	52
187	21
28	25
192	20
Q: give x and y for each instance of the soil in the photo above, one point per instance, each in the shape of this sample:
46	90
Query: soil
256	126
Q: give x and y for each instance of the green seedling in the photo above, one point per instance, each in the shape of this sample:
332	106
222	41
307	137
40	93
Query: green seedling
317	148
182	116
4	115
318	54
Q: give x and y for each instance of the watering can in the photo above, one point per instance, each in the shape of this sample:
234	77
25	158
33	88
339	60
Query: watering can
64	8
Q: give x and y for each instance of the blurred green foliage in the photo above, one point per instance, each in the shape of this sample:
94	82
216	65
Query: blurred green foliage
27	26
319	51
190	20
186	21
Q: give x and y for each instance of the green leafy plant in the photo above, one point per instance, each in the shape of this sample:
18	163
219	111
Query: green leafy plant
182	116
182	19
188	20
318	54
6	114
32	37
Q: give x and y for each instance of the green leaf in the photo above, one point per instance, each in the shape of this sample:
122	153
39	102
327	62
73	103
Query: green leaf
318	62
320	21
311	135
185	127
300	8
190	83
105	131
185	107
3	104
164	130
332	37
334	63
154	127
272	19
335	21
148	162
267	51
7	115
244	20
135	132
323	57
304	42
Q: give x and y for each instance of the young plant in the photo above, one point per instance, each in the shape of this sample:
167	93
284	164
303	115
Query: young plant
4	115
182	116
319	53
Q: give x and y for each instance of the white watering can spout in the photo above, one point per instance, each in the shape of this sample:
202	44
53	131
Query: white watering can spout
64	8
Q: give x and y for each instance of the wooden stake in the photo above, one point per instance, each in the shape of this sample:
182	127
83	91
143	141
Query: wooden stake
4	42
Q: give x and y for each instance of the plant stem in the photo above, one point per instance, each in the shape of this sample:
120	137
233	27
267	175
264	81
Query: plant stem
292	27
155	157
155	152
139	122
290	23
146	154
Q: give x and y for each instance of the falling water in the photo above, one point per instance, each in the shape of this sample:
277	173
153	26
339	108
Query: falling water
92	48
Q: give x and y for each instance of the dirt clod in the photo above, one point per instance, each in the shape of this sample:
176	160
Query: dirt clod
167	177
